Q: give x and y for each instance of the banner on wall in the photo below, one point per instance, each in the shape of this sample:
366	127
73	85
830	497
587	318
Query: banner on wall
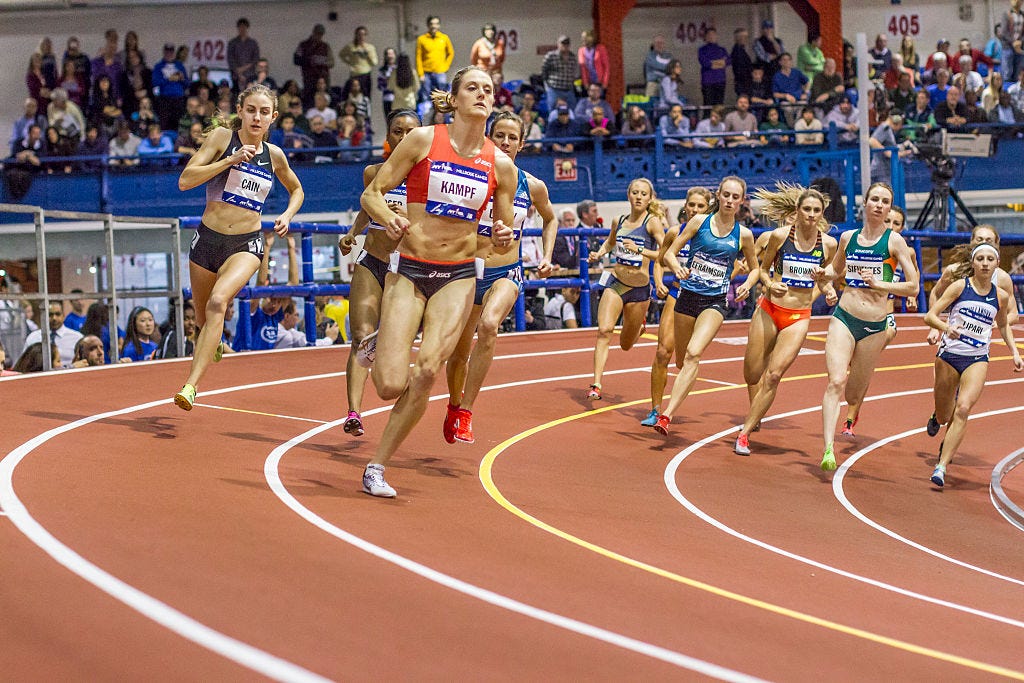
565	170
208	51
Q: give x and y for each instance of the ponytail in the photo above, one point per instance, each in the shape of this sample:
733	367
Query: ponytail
781	205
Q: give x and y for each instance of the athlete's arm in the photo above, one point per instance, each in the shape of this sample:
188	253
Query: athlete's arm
608	244
775	239
504	194
944	281
898	246
293	262
542	202
685	235
656	229
206	162
659	263
747	245
829	245
348	240
1008	303
1006	284
837	266
291	183
931	318
390	175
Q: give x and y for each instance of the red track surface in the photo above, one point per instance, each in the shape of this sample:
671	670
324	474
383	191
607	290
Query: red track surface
574	520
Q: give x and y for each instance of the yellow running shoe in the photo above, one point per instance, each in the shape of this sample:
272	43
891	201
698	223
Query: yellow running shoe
218	353
186	397
828	460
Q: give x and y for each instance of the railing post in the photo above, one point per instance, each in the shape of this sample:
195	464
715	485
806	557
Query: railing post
307	279
178	298
44	289
922	298
584	252
520	309
108	232
659	161
599	183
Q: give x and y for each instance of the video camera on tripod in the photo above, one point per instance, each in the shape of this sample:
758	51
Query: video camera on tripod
940	152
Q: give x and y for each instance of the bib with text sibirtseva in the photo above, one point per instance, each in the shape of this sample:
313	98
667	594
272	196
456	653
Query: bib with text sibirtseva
456	191
247	186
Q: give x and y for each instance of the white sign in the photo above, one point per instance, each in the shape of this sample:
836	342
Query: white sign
211	52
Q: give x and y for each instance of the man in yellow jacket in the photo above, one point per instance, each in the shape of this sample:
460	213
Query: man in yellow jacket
434	55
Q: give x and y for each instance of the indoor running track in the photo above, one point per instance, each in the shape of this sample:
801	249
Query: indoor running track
233	542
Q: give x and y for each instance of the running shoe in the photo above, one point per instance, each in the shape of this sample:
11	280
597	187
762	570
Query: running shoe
828	460
354	424
450	418
366	352
374	484
939	476
651	419
662	425
742	446
218	353
464	426
933	426
595	392
186	397
848	428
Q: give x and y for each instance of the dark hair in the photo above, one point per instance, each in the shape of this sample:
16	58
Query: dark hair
31	359
584	206
398	113
431	17
131	334
242	22
232	120
97	316
514	118
403	71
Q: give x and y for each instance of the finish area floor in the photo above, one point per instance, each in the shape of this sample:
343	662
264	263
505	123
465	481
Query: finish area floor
140	542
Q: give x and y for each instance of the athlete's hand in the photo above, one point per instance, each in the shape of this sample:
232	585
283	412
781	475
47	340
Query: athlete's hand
912	304
953	332
933	336
661	290
281	225
831	296
397	227
682	273
818	273
346	244
630	246
740	268
742	292
1018	364
243	153
869	277
546	269
501	234
593	257
778	288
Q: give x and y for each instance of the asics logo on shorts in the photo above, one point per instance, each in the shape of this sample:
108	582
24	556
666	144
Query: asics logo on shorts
439	274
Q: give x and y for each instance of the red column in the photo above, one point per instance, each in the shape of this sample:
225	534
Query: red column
826	16
608	18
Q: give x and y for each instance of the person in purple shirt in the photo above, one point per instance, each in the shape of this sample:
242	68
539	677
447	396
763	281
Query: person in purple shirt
107	64
714	59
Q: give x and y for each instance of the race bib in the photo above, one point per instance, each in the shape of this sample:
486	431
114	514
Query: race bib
395	199
247	186
456	191
707	271
975	327
628	258
486	223
855	264
796	270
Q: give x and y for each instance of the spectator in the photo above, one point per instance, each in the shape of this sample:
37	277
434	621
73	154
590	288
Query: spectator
321	108
81	63
65	116
49	61
189	142
768	49
169	342
1006	113
636	123
263	76
975	114
243	53
560	72
810	60
593	99
562	126
990	96
322	138
29	151
351	133
155	144
528	102
903	95
289	336
911	59
978	57
587	213
502	95
57	147
885	136
192	115
1016	91
789	85
941	54
136	83
61	336
357	97
742	61
169	83
951	113
35	80
742	122
593	61
314	58
488	52
845	118
131	44
880	55
362	59
918	118
30	117
31	359
434	55
301	122
97	323
144	118
106	107
671	85
937	90
292	138
598	124
770	125
560	310
566	251
760	89
124	147
826	88
849	69
404	82
891	78
89	353
655	65
714	59
141	341
711	127
107	64
203	81
94	144
675	127
388	65
1011	35
532	133
973	80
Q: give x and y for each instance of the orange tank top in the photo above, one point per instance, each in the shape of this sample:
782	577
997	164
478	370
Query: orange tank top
450	185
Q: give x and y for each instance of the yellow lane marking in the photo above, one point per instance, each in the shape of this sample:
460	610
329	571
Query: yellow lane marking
814	337
256	412
486	478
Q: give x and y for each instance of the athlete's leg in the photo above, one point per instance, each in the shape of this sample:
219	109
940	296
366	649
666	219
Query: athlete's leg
704	330
364	315
401	311
201	281
862	366
663	356
854	403
444	316
608	312
972	381
498	302
760	343
839	349
633	316
458	364
231	277
947	380
787	347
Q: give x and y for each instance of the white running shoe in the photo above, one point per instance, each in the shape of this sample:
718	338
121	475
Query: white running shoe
374	484
366	352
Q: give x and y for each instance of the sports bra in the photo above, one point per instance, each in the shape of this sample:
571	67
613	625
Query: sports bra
520	208
875	258
245	184
794	266
450	185
639	236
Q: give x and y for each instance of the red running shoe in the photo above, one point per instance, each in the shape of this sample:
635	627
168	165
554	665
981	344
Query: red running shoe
448	430
662	426
464	426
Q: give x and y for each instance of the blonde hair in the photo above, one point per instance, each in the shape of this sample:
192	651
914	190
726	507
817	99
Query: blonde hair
781	205
444	101
232	120
656	207
960	255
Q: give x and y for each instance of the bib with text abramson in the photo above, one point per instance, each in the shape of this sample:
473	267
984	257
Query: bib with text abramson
247	186
456	191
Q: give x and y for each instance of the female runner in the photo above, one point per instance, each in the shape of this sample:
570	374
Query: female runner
368	280
976	304
783	315
239	167
697	201
634	241
499	288
450	172
896	221
981	234
865	257
715	240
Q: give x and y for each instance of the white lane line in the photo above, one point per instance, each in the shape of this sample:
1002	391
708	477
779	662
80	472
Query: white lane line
271	472
255	412
1002	502
718	381
235	650
840	475
671	471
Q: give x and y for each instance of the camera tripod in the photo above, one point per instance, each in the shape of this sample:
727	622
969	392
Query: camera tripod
936	207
